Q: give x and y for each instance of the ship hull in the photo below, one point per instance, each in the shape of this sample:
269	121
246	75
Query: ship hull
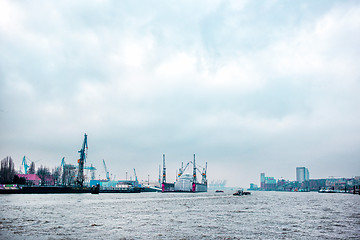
45	190
187	186
127	190
64	189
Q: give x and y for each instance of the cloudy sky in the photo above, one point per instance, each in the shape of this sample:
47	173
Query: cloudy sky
249	86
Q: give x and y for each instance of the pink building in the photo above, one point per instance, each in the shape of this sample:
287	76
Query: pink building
31	179
49	180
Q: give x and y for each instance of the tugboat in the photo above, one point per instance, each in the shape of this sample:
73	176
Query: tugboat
241	193
95	189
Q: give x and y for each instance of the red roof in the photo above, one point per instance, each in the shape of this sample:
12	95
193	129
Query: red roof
30	177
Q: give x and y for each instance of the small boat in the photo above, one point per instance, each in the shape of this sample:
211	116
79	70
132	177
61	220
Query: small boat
95	189
219	191
241	193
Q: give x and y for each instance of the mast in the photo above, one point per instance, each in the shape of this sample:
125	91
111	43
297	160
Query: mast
81	161
159	175
204	181
194	176
164	174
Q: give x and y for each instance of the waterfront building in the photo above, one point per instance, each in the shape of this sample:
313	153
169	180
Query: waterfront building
262	180
317	184
253	186
31	179
270	183
267	183
302	174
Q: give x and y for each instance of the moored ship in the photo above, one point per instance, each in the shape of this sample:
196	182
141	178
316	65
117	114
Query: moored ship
185	182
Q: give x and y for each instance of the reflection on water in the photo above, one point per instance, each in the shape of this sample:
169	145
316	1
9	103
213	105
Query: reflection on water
262	215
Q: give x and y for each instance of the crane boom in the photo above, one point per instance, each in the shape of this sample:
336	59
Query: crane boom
182	169
136	179
194	176
106	171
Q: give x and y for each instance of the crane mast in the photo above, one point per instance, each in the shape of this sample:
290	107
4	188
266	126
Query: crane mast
164	175
81	161
204	181
136	179
159	175
194	177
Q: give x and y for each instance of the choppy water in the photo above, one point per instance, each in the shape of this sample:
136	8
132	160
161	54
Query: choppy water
262	215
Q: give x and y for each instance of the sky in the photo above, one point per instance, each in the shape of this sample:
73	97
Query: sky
247	86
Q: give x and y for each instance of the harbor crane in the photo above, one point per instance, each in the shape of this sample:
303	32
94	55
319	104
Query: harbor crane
62	164
136	179
195	168
81	161
26	166
194	176
106	171
92	171
203	174
182	169
164	171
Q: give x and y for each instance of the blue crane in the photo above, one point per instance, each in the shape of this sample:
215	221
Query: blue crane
26	167
62	164
136	179
92	170
106	171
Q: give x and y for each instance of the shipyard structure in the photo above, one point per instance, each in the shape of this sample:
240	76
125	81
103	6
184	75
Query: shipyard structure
185	182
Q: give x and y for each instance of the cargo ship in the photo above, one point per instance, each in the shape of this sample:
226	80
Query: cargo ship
18	189
185	182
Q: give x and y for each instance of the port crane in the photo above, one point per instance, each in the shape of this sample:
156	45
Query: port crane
164	171
106	171
195	168
62	165
81	161
136	179
182	169
26	166
92	171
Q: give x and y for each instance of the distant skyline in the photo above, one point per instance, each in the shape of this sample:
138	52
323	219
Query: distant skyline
248	86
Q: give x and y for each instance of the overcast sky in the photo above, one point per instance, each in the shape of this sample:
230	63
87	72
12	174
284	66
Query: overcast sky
248	86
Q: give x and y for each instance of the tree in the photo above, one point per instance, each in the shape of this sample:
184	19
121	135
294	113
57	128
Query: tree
43	173
31	169
56	172
68	176
19	180
7	170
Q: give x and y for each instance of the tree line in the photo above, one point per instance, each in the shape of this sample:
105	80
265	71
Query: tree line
8	175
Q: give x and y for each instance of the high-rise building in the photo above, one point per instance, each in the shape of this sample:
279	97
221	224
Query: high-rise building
262	180
302	174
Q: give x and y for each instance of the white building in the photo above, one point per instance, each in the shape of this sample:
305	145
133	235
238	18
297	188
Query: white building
302	174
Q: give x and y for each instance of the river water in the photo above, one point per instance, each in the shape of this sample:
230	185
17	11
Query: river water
262	215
